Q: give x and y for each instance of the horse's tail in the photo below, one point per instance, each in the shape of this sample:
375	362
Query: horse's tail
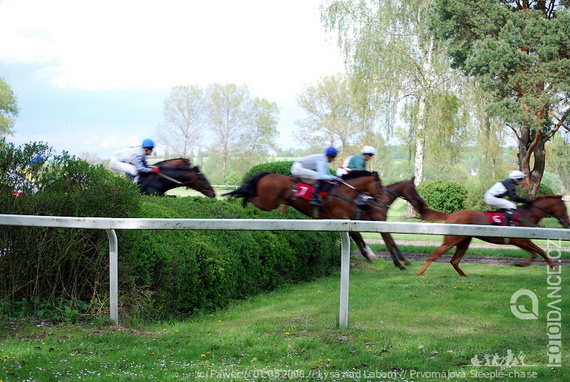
248	189
432	216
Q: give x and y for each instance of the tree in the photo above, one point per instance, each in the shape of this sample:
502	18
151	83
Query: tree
333	113
227	111
183	115
519	51
8	108
394	60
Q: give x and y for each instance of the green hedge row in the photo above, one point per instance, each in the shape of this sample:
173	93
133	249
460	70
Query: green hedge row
173	272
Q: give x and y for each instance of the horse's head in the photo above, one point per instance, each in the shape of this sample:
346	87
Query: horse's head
365	181
197	181
554	206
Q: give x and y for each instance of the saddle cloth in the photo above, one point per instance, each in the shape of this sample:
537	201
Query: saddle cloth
305	191
499	218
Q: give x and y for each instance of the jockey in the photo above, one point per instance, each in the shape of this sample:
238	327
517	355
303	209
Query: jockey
507	187
356	162
315	166
132	160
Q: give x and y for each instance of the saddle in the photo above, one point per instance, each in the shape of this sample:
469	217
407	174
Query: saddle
499	218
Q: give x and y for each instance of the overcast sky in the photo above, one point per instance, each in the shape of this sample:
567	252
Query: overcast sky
93	75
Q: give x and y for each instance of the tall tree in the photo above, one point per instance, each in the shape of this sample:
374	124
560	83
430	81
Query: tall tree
228	110
182	130
519	51
8	108
333	112
393	58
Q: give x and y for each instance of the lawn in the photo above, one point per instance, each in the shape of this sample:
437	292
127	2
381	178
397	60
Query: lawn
401	328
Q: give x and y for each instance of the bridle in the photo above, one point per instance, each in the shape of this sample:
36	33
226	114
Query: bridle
561	219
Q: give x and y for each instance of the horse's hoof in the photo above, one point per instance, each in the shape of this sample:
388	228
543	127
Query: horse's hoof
369	260
408	263
402	268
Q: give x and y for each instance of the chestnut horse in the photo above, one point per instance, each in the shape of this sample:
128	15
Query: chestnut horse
267	191
530	215
175	173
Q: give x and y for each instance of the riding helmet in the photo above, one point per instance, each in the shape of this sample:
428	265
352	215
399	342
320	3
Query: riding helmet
368	150
331	151
148	143
516	174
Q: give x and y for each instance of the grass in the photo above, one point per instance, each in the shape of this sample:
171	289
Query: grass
402	327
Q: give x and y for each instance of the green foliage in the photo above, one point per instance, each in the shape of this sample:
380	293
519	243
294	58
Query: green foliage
8	108
173	272
443	196
281	168
552	182
544	189
42	263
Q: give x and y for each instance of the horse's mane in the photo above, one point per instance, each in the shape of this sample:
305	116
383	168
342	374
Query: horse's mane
540	197
165	162
359	174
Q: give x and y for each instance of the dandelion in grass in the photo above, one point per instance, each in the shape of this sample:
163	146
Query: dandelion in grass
254	359
287	333
5	356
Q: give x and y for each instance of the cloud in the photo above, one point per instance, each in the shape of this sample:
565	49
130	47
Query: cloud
272	46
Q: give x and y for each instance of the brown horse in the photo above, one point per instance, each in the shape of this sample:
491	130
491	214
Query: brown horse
407	190
267	191
530	215
175	173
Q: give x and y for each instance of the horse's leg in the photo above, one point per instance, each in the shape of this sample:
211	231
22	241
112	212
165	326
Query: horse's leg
448	243
364	249
533	249
393	248
459	252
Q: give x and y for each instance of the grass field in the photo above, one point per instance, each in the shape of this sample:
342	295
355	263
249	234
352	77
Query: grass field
401	328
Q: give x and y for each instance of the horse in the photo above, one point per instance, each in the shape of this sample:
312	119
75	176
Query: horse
268	190
405	189
530	215
174	173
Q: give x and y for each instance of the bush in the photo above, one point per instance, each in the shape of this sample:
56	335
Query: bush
443	196
169	273
281	168
44	263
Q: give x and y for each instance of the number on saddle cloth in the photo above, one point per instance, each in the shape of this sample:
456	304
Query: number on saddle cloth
499	217
305	190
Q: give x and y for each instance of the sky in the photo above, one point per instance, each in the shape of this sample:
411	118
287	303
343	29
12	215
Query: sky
92	76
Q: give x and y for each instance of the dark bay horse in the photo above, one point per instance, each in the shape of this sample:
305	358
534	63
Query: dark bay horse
175	173
405	189
530	215
267	191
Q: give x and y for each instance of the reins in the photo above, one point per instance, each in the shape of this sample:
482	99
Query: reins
559	218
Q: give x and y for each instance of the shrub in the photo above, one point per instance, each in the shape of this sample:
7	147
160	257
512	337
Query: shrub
281	168
443	196
174	272
43	263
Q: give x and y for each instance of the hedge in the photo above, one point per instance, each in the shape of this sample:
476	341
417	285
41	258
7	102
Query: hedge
443	196
185	271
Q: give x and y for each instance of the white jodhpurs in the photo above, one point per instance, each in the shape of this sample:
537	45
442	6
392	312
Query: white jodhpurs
499	202
122	167
298	170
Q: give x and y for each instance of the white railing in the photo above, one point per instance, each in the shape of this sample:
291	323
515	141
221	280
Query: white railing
342	226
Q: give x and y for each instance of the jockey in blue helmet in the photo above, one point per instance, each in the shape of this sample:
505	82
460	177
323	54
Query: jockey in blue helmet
316	166
132	160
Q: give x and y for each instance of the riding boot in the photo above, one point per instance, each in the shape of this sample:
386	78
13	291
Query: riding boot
315	200
510	215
